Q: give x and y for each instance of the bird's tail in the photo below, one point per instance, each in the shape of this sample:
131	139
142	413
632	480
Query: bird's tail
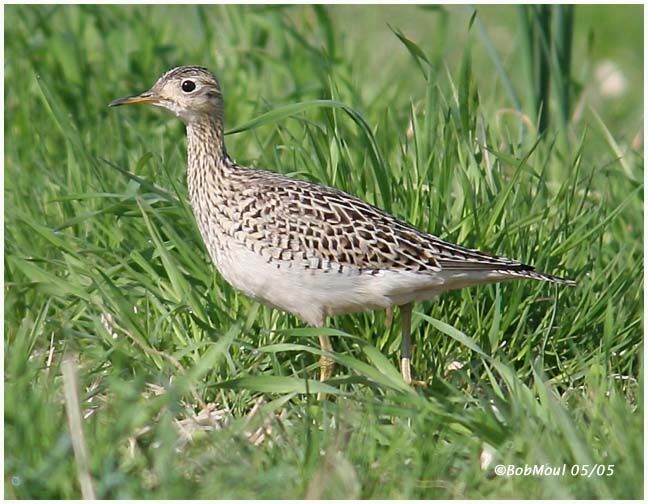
537	275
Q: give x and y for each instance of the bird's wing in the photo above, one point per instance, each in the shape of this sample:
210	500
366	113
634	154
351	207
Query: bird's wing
325	228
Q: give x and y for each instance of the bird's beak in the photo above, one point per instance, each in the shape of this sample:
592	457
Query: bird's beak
147	97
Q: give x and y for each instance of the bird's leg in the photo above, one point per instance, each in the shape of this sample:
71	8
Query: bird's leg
389	316
406	354
326	363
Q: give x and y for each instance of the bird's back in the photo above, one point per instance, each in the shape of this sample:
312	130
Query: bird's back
320	227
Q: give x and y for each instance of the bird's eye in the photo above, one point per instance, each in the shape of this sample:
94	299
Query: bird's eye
188	86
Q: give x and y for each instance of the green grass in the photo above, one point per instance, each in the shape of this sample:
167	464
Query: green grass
103	261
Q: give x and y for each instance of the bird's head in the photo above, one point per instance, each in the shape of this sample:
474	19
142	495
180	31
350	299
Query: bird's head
191	92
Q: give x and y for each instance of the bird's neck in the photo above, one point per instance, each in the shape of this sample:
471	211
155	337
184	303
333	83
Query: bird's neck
205	142
207	160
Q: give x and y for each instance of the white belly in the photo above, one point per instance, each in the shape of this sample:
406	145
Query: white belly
314	294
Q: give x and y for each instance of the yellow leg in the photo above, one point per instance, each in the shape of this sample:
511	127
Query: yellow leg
389	316
406	353
327	365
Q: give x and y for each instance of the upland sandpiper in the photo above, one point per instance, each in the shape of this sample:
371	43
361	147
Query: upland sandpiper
302	247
